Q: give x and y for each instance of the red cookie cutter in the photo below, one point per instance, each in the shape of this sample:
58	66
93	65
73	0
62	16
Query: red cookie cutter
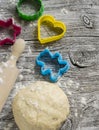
10	25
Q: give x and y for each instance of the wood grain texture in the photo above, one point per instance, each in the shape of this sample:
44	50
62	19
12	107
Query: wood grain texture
80	47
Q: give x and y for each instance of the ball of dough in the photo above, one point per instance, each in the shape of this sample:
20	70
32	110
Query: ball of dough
40	106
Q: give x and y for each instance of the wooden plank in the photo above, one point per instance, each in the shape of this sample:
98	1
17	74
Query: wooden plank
80	46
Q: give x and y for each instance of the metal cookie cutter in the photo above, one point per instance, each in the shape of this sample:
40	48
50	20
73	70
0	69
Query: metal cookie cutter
52	64
50	21
9	24
31	17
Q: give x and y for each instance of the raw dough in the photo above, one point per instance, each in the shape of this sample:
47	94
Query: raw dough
40	106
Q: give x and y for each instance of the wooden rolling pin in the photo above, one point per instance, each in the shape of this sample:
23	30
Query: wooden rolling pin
9	71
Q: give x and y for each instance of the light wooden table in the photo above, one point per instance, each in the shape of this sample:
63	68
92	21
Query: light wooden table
80	47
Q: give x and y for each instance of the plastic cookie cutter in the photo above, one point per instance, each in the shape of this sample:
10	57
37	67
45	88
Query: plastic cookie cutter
38	6
52	64
16	30
49	24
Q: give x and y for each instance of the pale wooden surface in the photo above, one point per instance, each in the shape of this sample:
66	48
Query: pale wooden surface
80	46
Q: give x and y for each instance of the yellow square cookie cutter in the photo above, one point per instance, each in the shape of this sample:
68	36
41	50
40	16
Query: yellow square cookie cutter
50	19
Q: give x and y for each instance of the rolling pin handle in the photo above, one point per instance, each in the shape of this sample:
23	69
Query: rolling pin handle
18	48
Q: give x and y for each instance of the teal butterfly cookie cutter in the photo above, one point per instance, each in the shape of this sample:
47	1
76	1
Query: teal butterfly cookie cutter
52	64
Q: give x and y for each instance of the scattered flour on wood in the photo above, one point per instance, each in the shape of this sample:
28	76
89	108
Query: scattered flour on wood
64	11
20	77
1	80
83	100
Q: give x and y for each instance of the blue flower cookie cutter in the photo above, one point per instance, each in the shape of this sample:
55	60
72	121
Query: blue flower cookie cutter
52	64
